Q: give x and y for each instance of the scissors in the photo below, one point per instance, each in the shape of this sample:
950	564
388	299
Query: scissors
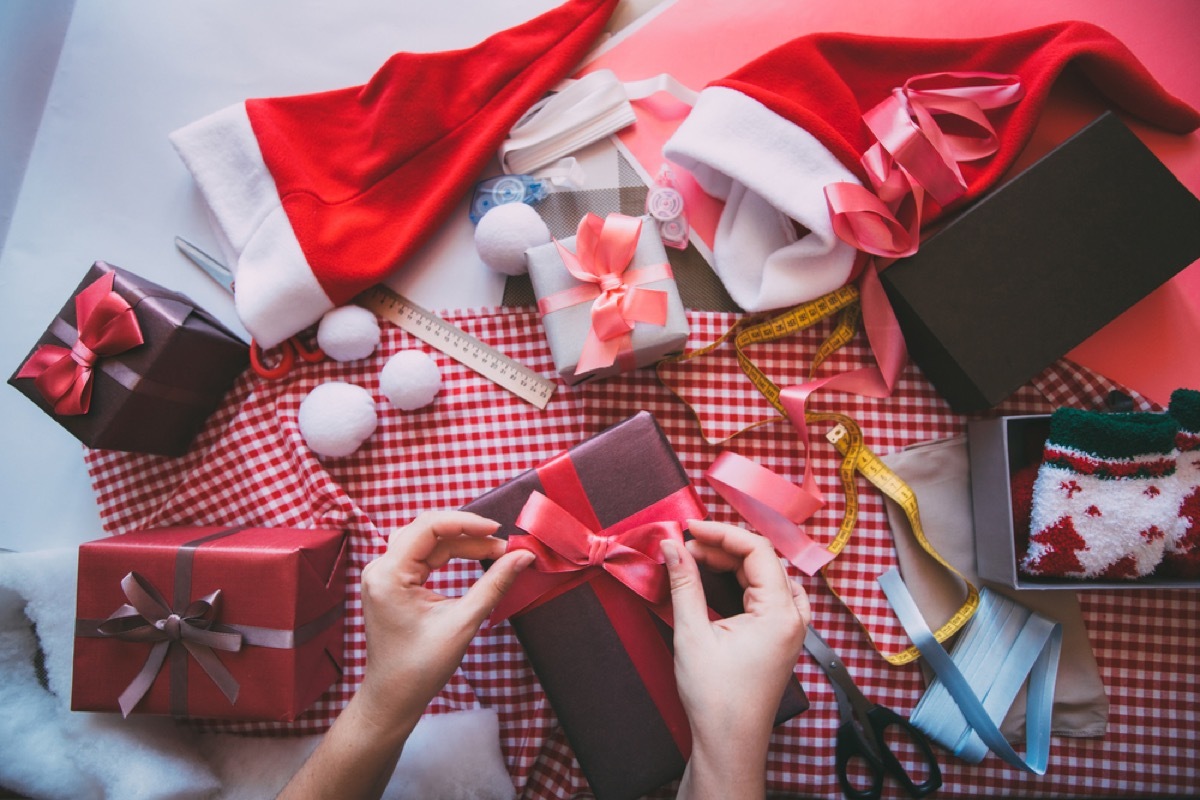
861	733
290	350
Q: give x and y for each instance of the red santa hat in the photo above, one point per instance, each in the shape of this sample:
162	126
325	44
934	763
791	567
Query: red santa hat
321	196
770	137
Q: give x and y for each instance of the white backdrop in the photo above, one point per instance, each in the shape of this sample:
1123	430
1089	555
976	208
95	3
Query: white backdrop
103	182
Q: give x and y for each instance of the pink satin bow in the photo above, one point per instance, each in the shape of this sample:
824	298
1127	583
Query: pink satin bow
604	250
565	547
106	325
148	618
915	154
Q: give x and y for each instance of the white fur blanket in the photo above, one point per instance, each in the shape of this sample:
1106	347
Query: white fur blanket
51	752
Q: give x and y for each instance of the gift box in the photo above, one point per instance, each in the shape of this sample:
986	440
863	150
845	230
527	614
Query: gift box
217	623
608	298
129	365
1000	448
1041	263
599	648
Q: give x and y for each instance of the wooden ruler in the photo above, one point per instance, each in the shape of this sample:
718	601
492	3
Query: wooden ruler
459	345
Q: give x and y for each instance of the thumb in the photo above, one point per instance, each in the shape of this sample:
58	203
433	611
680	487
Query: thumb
483	597
687	593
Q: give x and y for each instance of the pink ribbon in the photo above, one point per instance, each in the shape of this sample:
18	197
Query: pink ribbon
916	154
604	251
106	325
773	505
148	618
568	549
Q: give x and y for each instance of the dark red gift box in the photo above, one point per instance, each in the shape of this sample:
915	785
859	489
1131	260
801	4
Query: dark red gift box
157	608
151	397
602	654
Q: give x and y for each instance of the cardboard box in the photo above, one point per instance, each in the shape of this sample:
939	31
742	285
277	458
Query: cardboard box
567	328
625	743
155	396
1000	447
281	590
1041	263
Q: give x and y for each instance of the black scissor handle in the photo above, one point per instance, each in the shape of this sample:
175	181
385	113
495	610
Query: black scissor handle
849	747
881	719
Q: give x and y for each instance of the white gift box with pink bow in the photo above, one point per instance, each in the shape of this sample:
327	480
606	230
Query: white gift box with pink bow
608	298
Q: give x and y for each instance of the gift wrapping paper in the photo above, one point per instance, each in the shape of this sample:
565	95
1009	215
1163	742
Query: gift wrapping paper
249	464
151	397
146	601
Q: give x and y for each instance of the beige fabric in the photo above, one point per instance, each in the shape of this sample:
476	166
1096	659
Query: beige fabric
938	473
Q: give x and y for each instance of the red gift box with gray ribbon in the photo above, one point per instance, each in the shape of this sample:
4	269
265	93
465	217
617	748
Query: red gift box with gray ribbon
220	623
129	365
593	612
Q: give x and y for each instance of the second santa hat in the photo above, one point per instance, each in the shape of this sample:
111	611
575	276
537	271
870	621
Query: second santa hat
321	196
771	136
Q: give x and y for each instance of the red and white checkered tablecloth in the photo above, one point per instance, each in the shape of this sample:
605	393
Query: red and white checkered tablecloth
250	466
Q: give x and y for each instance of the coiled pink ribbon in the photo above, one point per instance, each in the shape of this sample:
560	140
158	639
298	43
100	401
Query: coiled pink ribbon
147	617
107	326
604	250
915	154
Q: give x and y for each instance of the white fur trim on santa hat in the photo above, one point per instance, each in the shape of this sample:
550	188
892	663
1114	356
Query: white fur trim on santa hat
769	171
276	293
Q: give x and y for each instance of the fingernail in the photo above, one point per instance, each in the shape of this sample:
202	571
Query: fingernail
670	552
523	560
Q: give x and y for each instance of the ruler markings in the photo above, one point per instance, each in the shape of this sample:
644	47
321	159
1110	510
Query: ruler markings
459	345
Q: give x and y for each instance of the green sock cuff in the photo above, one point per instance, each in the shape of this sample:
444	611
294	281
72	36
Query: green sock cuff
1185	408
1113	435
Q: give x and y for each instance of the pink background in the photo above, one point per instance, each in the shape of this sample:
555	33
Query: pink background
1150	347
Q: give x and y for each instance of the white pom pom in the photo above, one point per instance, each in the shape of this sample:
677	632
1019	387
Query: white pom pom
504	234
410	380
348	333
336	418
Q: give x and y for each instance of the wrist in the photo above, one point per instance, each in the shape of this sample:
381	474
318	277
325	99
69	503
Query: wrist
728	767
384	722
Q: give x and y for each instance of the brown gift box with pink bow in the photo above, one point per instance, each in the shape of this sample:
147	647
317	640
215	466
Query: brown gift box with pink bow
597	645
217	623
129	365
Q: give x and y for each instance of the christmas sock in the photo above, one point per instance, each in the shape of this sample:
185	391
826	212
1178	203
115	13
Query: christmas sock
1182	556
1106	500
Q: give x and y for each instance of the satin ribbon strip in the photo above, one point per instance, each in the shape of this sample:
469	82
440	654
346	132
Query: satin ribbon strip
773	505
604	250
1003	645
914	155
580	112
252	635
147	617
106	325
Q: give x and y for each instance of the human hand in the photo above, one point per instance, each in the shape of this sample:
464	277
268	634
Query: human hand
732	672
416	637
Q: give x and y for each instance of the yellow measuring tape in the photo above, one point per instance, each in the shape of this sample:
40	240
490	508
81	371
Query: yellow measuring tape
846	436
